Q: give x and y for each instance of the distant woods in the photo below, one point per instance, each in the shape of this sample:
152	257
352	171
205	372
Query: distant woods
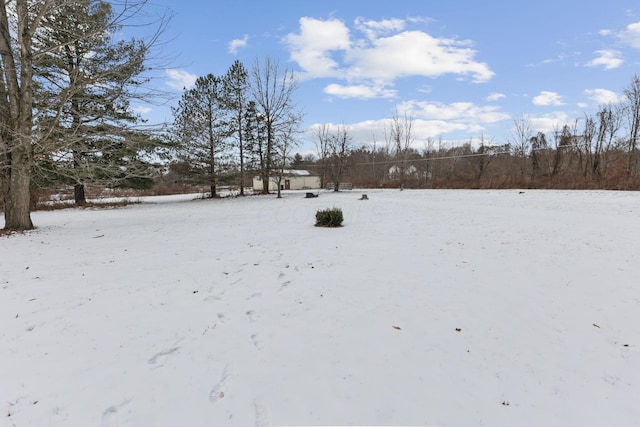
598	151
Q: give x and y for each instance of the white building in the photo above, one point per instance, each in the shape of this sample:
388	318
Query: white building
292	179
395	171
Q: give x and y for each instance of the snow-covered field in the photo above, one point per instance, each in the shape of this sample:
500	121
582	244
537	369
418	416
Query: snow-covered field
448	308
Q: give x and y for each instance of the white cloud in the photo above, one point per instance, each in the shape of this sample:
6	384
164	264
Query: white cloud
631	35
456	111
312	47
141	110
419	19
431	120
547	98
328	49
559	58
415	53
549	122
603	96
236	44
609	59
496	96
374	29
358	91
422	130
180	79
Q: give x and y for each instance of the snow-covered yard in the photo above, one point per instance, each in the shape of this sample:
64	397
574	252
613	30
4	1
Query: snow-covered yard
448	308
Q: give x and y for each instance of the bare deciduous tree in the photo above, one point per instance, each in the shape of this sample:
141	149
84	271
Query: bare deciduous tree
521	139
272	89
609	124
400	136
284	144
322	136
483	157
16	104
632	93
339	149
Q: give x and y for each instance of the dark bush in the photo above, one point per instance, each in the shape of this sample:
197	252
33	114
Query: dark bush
329	218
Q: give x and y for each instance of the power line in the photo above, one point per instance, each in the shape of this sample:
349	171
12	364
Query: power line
457	156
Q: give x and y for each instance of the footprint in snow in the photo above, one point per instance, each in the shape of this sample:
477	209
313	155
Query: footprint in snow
216	297
217	391
159	356
285	285
110	415
252	315
257	341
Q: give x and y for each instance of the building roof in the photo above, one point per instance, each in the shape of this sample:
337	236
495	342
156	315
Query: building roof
297	172
291	173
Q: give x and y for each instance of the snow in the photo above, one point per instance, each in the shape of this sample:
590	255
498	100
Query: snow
296	172
448	308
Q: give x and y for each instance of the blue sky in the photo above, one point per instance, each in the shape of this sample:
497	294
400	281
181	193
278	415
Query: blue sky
461	69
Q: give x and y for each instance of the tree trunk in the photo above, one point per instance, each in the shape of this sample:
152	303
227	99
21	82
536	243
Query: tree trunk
17	208
241	146
79	195
241	169
212	184
266	173
17	82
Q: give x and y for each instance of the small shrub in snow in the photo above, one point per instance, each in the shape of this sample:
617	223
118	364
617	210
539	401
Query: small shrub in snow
329	218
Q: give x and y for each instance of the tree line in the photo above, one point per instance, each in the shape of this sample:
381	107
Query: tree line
598	151
68	81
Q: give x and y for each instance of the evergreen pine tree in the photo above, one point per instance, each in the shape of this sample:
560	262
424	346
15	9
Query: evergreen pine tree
201	129
85	81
